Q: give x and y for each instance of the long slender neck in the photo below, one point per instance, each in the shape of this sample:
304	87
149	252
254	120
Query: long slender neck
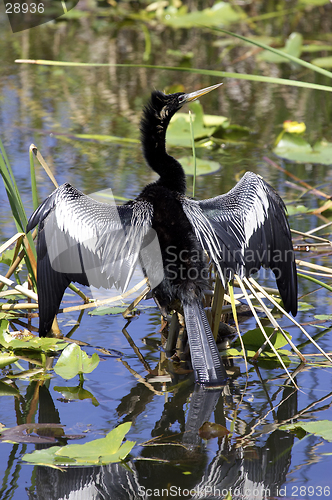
153	136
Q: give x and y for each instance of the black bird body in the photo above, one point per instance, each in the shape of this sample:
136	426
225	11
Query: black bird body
82	240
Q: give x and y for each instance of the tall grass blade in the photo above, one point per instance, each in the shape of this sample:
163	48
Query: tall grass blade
17	208
263	331
33	181
315	280
293	320
194	150
295	59
231	294
207	72
273	321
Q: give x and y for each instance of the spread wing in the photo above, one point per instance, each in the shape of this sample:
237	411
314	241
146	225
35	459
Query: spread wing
92	243
245	229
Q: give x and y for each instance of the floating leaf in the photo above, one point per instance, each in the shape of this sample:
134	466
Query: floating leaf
297	209
255	339
101	311
7	359
236	134
216	121
45	457
179	132
8	390
321	428
294	148
221	13
76	393
323	62
22	341
74	360
98	452
323	317
211	430
203	167
7	256
316	47
293	47
35	433
304	306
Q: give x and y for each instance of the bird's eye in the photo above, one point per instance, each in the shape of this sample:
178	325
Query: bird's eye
181	98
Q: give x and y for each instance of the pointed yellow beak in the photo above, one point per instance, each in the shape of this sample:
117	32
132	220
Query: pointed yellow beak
195	95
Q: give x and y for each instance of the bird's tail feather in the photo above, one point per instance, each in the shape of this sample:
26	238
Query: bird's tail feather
207	364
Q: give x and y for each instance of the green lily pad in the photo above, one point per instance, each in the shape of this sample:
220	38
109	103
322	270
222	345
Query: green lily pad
43	344
304	306
179	131
7	256
297	209
74	361
6	359
316	47
235	134
293	47
221	13
294	148
321	428
203	167
101	311
216	121
255	339
323	62
98	452
8	390
323	317
76	394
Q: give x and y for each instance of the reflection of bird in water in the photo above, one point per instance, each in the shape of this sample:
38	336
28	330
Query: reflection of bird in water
93	243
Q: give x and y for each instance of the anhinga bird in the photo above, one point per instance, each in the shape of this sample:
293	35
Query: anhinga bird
93	243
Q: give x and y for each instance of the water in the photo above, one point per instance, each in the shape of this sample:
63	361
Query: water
259	461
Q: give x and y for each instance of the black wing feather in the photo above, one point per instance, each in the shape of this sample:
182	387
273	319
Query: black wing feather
252	229
85	241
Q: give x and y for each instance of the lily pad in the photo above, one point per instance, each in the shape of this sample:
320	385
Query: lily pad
255	339
98	452
76	394
36	433
236	134
323	317
221	13
6	359
22	341
297	209
8	390
74	361
11	341
293	47
323	62
321	428
211	430
203	167
101	311
179	131
294	148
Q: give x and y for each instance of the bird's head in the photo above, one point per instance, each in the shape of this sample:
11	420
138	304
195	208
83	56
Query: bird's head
155	119
166	105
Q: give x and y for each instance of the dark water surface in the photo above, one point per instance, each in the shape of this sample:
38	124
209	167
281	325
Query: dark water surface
259	461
